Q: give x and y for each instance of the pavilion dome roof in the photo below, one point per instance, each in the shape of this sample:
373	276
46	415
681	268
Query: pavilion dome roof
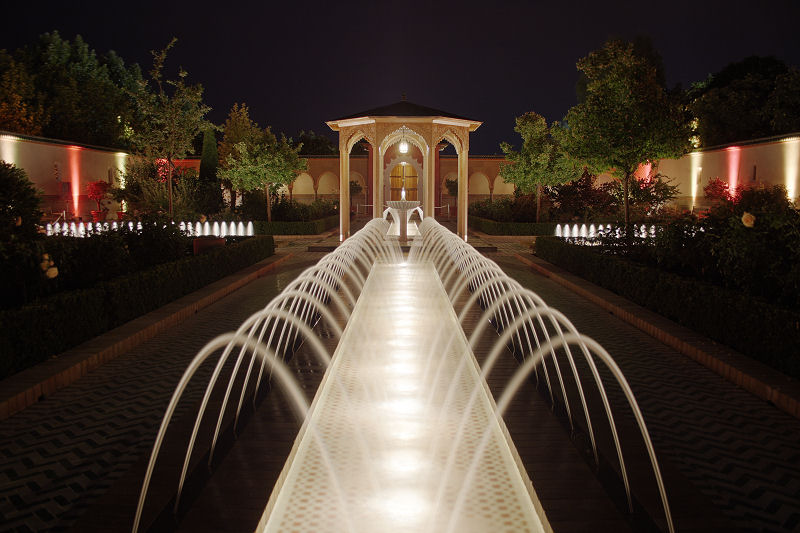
404	108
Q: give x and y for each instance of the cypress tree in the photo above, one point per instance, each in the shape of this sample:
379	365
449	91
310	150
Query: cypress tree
209	188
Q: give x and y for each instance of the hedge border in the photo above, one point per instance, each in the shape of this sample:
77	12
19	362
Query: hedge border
493	227
310	227
764	332
50	326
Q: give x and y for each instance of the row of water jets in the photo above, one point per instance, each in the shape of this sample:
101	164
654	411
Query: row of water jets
546	342
593	231
192	229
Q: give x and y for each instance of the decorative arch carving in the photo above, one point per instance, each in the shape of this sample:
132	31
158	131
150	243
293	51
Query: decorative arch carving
458	137
349	136
395	136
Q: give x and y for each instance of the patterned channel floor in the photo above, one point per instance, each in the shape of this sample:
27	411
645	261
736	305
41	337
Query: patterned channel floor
739	450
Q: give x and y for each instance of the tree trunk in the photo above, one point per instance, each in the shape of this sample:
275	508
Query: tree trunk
269	205
169	186
538	201
625	185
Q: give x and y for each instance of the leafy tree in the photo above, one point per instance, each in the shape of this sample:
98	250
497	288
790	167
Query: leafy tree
582	198
717	191
238	128
540	161
267	165
98	191
627	118
19	204
734	104
783	106
452	186
171	115
19	109
313	144
86	97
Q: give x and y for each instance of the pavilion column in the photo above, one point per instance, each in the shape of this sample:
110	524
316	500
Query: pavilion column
463	193
344	194
430	184
437	176
377	184
369	182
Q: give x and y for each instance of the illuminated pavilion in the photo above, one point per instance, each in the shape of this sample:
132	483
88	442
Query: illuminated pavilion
408	136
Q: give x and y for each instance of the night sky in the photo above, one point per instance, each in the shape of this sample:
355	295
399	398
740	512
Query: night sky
299	63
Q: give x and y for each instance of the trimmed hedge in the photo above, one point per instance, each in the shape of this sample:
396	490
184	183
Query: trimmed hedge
765	332
311	227
50	326
493	227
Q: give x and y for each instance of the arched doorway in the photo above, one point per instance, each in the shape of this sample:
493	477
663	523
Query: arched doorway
403	183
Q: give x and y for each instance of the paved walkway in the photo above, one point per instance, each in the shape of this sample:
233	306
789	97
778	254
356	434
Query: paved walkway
58	456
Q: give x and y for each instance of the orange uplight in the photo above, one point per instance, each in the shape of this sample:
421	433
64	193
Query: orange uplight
734	157
74	172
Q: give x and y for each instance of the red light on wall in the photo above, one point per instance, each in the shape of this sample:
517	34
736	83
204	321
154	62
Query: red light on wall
734	157
74	172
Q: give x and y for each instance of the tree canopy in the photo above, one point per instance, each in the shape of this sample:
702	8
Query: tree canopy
171	114
313	144
20	110
266	165
749	99
540	161
627	117
65	90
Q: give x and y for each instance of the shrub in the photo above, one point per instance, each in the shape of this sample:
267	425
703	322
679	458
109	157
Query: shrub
19	204
582	199
83	262
493	227
518	209
51	325
754	327
311	227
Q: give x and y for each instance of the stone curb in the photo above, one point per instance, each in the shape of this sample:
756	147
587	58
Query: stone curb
753	376
33	384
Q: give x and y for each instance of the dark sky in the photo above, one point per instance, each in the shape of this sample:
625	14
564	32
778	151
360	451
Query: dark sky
299	63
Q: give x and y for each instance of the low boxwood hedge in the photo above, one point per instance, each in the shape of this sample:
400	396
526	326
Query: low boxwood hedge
311	227
763	331
493	227
51	325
